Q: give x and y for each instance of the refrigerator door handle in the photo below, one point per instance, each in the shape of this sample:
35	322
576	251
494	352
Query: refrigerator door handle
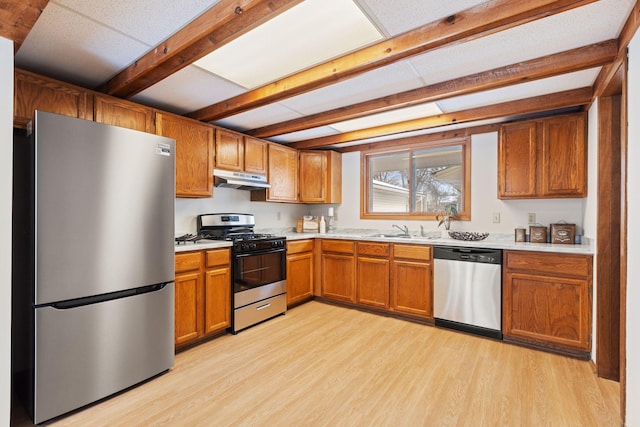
79	302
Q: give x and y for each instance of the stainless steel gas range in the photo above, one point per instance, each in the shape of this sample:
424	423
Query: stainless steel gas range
259	274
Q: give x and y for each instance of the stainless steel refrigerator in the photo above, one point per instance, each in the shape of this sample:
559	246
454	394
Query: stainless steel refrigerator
93	261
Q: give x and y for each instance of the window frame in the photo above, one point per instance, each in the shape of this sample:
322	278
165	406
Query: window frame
365	155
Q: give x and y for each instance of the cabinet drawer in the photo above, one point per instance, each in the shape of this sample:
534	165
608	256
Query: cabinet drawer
557	263
188	261
373	249
298	246
343	246
412	252
217	257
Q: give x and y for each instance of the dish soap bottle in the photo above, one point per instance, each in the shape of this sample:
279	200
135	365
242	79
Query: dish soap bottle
323	225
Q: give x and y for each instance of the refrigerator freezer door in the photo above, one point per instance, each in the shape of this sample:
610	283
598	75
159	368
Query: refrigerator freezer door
104	208
87	353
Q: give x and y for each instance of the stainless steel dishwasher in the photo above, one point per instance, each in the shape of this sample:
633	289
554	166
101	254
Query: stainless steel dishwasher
467	292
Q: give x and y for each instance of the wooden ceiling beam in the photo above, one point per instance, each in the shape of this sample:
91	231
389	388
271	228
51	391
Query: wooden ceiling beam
582	58
222	23
565	99
17	17
421	139
478	21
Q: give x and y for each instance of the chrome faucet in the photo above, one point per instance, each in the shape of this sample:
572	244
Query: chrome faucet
405	229
422	231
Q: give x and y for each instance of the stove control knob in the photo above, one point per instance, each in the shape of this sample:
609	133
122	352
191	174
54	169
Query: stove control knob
253	245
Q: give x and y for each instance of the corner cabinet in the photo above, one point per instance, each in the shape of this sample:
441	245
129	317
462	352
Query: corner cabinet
547	301
300	272
194	154
282	175
320	177
34	92
202	294
544	158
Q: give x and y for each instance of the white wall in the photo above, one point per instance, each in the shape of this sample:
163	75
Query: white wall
633	236
6	172
484	201
267	215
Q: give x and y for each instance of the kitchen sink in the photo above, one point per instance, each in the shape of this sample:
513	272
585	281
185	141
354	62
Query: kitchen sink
393	236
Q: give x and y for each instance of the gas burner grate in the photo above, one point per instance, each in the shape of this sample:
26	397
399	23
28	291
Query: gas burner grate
187	238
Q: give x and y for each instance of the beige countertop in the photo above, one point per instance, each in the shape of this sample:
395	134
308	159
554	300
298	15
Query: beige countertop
493	241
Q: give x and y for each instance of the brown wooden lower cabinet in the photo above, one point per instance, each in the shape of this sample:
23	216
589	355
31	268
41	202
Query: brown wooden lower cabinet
202	294
547	301
338	265
299	271
373	274
412	280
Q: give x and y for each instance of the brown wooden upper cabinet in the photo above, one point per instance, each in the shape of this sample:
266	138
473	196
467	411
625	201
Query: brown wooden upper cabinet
118	112
545	158
236	152
320	177
194	154
282	175
34	92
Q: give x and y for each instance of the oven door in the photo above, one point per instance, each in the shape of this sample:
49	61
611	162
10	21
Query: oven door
256	269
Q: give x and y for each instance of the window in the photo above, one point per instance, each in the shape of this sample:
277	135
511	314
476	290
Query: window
417	182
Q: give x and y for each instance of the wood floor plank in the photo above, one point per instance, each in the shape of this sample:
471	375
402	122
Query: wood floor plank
322	365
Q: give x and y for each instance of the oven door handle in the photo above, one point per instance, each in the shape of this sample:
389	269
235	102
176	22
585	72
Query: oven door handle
266	251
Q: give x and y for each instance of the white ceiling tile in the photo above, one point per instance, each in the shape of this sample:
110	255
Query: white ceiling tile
384	81
525	90
399	16
70	47
188	90
273	113
305	134
149	21
539	38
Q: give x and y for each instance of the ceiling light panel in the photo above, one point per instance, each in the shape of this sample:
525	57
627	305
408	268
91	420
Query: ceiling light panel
394	116
305	35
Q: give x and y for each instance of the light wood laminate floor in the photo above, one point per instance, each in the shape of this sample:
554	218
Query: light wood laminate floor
322	365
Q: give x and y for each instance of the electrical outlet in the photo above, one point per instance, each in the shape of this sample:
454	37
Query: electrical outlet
532	218
496	217
278	216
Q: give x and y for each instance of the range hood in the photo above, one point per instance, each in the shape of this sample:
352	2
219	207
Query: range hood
239	180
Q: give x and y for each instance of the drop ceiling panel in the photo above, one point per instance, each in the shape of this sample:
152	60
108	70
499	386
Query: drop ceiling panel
148	21
399	16
70	47
383	81
525	90
539	38
188	90
305	134
273	113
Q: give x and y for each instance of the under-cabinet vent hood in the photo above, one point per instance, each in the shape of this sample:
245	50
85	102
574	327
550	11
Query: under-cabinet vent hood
239	180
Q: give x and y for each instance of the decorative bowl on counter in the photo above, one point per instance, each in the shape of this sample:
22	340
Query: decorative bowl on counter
467	235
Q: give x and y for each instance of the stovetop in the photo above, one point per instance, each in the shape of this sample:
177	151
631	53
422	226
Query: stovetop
231	237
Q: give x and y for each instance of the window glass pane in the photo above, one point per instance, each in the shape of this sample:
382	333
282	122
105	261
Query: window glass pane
389	183
438	179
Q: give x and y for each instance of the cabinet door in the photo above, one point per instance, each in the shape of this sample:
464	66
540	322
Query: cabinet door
299	277
118	112
217	299
338	276
564	157
255	155
34	92
313	176
412	288
229	150
373	282
282	175
194	157
547	309
517	161
188	324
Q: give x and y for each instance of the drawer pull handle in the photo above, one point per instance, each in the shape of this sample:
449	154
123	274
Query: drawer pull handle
263	306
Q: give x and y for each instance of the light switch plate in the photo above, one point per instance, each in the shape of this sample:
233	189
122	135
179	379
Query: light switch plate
496	217
532	218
